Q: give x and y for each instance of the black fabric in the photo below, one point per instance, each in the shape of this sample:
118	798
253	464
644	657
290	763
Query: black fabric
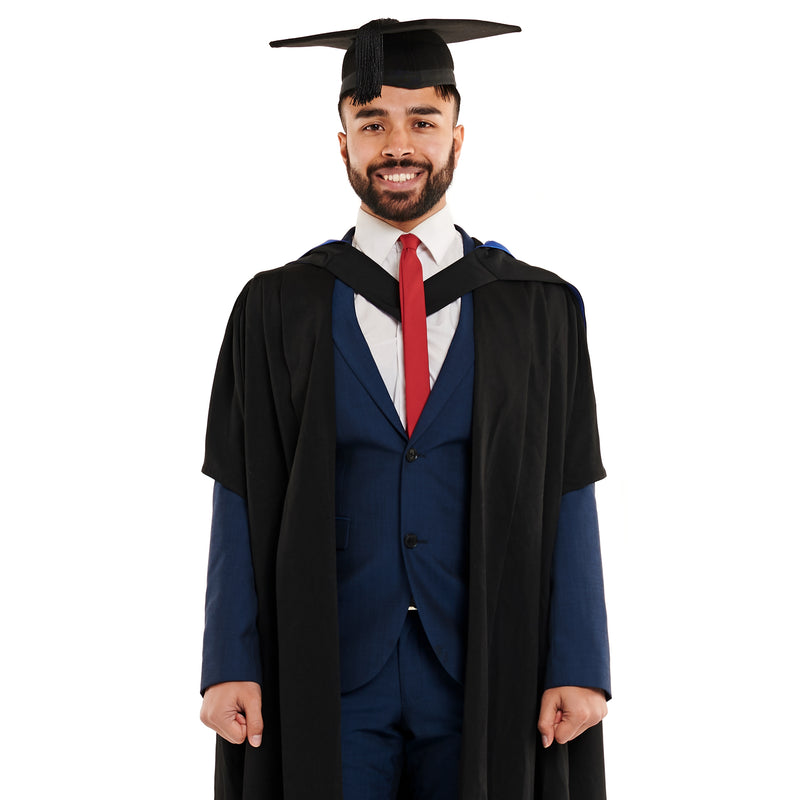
385	52
448	30
474	270
271	437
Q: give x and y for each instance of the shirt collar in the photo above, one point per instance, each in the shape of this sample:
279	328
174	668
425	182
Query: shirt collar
376	238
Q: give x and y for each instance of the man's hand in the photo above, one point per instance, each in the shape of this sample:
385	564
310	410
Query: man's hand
233	710
567	711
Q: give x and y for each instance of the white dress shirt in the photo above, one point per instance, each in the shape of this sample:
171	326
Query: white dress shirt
440	245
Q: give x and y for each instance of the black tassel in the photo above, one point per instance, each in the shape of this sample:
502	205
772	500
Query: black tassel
369	61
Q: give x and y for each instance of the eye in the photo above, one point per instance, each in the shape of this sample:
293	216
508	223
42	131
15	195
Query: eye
423	123
373	126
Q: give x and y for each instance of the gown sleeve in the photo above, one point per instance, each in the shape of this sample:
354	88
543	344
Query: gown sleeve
225	433
582	460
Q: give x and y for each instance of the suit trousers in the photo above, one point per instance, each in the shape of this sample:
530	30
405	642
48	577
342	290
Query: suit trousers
403	727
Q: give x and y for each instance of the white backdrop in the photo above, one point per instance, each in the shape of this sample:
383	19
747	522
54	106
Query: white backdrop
154	155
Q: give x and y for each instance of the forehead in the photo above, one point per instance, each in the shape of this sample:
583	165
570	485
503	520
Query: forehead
396	101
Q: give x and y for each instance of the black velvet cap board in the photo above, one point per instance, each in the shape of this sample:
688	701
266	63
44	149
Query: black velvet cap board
411	55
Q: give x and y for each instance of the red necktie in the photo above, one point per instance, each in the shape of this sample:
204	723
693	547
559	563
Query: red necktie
415	331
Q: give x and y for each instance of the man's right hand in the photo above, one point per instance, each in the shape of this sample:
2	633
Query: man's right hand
233	710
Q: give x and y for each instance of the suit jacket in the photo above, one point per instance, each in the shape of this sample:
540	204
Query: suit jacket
401	504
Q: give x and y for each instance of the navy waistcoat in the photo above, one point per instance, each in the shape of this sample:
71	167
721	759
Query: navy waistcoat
401	505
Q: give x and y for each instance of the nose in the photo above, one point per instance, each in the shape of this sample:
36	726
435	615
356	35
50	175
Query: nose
398	144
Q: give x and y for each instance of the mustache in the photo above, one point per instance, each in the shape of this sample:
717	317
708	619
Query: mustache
395	163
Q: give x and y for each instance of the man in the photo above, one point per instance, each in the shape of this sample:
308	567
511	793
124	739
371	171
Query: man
404	581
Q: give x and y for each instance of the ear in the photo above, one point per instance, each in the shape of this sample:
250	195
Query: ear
458	140
343	146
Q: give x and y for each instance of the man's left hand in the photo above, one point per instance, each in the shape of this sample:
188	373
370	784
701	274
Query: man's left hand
567	711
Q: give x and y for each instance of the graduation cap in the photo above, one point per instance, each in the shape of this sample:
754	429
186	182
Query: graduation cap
411	55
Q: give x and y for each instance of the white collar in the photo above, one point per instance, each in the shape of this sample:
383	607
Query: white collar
376	238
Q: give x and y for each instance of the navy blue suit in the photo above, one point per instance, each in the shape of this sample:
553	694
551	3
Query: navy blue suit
401	533
578	654
401	504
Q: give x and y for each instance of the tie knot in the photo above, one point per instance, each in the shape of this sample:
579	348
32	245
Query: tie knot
409	241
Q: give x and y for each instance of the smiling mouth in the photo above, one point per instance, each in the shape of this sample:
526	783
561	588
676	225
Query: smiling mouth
402	177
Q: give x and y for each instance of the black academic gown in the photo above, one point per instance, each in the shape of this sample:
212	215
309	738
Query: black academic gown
272	439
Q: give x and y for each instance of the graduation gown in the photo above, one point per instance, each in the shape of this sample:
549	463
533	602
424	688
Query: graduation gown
271	438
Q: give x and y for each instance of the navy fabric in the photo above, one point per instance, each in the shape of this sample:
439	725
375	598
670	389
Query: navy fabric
230	640
405	722
579	652
401	505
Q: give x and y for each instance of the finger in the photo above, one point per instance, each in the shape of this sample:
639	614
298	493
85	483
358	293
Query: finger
231	723
572	724
582	709
255	724
225	721
549	717
589	720
222	721
232	731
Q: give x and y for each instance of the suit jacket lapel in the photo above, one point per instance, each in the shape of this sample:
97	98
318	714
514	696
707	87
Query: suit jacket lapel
351	345
459	360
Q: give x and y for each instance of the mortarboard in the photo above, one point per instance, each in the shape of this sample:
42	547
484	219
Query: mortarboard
411	55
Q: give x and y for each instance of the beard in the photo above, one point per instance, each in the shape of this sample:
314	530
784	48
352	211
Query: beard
402	206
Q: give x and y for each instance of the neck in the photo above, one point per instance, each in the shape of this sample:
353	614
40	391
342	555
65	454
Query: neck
407	225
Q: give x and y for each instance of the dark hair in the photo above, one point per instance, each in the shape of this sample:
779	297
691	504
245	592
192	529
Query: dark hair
446	91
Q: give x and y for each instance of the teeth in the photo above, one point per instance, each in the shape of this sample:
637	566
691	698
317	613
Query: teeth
400	178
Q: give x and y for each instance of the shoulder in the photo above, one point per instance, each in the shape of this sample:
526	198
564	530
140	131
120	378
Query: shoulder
300	273
528	284
297	279
506	267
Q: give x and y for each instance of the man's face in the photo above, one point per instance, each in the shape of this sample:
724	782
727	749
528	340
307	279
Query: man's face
400	151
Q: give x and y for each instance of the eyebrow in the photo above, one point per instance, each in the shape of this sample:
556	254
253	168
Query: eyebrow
413	111
423	111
